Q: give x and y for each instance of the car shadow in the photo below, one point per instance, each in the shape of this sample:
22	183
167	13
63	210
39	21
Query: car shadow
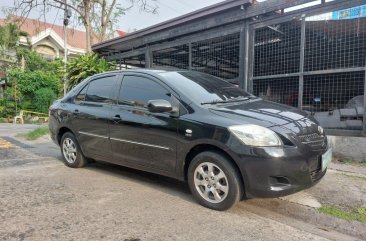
162	183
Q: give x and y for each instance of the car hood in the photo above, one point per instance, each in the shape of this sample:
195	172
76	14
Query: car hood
266	114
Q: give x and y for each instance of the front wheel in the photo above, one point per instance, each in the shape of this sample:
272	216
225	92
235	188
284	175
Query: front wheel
214	181
71	152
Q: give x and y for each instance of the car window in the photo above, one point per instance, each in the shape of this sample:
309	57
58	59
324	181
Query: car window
138	90
82	94
201	87
100	90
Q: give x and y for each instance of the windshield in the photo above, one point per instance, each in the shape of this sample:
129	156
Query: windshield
202	88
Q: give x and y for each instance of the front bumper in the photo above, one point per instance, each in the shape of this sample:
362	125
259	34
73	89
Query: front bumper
275	172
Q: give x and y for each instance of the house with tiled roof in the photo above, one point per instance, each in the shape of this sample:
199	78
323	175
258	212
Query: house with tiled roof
48	39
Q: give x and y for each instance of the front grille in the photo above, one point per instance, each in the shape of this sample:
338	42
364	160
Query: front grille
314	140
310	137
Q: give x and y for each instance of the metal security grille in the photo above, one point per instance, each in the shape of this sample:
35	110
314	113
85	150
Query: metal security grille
335	44
277	49
336	100
281	90
328	77
177	57
313	57
218	57
137	61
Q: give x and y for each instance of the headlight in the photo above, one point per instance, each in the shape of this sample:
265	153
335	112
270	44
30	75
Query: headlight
254	135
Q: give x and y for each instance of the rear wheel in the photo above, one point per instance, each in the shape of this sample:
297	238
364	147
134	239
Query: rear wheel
71	152
214	181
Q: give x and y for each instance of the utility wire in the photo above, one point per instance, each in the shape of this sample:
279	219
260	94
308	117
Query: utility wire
185	4
175	10
54	21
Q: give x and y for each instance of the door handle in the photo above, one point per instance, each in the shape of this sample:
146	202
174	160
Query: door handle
117	118
76	111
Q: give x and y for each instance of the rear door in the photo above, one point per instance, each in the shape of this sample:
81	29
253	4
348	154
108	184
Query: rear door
91	113
137	136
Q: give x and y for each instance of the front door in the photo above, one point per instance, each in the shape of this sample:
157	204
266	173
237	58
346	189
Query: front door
137	136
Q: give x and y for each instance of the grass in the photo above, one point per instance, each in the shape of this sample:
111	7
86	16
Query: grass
359	214
354	177
3	120
36	133
353	162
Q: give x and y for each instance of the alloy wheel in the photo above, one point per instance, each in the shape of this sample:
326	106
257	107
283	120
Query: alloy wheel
211	182
69	150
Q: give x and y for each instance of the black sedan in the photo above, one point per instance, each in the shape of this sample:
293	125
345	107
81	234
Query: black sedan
227	143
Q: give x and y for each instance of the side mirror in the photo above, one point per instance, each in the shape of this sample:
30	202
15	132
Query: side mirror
159	106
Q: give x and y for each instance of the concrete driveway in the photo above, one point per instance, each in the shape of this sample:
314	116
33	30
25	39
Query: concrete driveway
41	199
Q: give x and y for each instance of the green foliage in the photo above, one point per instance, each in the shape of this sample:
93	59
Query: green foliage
34	61
10	102
38	73
358	215
10	108
7	106
3	120
43	99
13	102
29	82
27	86
36	133
84	66
9	36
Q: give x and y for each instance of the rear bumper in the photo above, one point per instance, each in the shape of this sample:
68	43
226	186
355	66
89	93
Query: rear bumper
275	172
52	126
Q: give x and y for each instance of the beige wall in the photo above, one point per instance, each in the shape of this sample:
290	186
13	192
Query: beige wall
47	48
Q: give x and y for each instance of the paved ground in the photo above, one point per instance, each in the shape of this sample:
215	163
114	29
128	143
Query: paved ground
41	199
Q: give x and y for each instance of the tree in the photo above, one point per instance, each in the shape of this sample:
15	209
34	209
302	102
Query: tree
84	66
105	15
28	82
9	41
43	99
34	61
97	16
10	35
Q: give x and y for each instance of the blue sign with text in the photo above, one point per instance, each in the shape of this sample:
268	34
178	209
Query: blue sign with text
350	13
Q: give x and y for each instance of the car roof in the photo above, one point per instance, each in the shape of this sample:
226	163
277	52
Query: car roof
140	70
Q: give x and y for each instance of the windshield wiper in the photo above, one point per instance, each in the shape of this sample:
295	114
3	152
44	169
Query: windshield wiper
213	102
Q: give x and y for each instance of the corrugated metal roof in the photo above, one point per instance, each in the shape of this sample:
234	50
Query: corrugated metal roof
204	12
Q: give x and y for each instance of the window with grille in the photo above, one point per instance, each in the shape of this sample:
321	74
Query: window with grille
217	56
137	61
277	49
281	90
176	57
335	44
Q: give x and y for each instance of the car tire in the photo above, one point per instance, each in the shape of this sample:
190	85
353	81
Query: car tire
214	181
71	152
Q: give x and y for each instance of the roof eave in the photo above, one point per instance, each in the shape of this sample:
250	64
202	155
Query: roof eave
203	12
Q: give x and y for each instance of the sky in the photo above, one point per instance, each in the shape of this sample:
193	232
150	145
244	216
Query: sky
133	19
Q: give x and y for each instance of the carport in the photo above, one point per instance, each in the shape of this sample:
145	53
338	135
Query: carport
309	56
